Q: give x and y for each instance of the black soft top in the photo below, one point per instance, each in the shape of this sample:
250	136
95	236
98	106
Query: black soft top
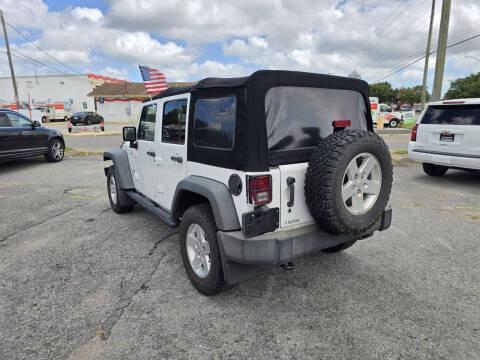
250	151
270	78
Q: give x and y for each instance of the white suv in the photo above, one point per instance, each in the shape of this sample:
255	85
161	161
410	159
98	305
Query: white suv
256	170
447	135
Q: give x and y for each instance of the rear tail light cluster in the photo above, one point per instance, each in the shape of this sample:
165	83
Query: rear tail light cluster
341	124
413	136
259	189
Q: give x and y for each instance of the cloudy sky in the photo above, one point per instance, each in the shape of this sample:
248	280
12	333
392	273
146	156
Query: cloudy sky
192	39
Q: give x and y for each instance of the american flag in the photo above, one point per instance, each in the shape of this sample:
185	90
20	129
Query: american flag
154	80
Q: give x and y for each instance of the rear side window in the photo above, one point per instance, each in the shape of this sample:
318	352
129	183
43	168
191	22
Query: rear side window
173	122
300	117
214	124
146	128
452	115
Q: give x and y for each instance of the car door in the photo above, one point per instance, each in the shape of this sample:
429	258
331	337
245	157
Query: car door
145	166
8	137
171	148
29	139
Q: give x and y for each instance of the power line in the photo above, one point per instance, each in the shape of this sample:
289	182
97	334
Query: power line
39	48
453	37
36	62
432	52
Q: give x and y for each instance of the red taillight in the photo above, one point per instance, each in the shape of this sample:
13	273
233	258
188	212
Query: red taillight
413	136
341	123
259	189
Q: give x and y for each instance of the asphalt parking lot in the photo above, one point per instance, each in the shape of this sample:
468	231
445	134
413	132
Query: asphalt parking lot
78	281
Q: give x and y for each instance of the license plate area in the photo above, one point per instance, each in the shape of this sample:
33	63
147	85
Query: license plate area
445	137
260	221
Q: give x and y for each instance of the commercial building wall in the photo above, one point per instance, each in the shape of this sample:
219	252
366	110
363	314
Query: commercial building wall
120	110
50	88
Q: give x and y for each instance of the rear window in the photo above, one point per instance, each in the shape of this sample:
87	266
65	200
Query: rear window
452	115
299	117
214	125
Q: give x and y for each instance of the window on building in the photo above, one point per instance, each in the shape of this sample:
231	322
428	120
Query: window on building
146	128
214	124
173	121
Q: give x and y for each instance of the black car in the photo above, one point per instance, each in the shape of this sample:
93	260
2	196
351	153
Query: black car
20	137
86	118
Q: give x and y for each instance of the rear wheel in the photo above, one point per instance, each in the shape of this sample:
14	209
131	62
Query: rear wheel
434	170
199	249
56	151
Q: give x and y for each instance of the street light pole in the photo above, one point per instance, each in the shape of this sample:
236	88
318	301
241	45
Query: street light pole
14	82
427	57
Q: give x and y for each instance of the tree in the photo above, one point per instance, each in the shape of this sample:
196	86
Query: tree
468	87
410	95
384	92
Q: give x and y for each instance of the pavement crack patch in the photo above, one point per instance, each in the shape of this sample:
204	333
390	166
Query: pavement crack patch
104	329
6	237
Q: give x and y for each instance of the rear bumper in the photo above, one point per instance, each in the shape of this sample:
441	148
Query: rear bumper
279	247
444	159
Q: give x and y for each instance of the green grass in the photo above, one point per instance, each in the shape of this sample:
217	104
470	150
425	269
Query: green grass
408	126
401	152
69	149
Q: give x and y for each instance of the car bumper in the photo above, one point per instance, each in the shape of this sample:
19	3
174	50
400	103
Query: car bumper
443	159
280	246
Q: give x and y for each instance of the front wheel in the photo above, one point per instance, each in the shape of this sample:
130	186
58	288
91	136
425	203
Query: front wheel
119	201
56	151
434	170
200	251
393	123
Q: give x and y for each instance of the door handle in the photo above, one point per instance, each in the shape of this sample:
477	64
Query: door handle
291	188
177	158
151	153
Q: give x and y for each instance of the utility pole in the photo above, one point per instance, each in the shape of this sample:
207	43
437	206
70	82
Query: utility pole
441	50
12	73
427	57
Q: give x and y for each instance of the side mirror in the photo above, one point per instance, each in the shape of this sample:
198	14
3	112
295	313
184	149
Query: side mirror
130	134
36	124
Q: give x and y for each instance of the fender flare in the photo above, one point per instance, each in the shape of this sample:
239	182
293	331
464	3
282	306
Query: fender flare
122	171
217	194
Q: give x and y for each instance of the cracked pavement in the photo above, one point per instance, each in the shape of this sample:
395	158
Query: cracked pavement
78	281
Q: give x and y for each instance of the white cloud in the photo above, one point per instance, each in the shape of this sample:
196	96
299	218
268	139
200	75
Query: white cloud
93	15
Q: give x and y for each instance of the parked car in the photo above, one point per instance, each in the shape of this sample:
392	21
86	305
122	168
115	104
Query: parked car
86	118
447	135
20	137
258	171
390	118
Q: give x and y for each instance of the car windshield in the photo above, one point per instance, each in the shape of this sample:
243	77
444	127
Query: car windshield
299	117
452	115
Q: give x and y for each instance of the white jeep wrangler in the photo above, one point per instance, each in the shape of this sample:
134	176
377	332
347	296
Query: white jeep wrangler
256	170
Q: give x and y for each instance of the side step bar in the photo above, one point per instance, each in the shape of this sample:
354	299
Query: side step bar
154	209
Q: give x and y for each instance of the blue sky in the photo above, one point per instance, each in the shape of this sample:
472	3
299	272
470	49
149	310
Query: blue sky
189	40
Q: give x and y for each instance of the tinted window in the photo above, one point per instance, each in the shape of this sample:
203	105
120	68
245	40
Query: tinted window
452	115
19	121
215	122
4	121
173	122
300	117
146	128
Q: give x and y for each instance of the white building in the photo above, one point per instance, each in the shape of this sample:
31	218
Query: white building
68	89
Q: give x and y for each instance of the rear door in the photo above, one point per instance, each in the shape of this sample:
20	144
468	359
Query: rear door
297	119
170	148
450	129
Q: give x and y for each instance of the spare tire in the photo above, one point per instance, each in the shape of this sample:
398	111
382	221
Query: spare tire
348	181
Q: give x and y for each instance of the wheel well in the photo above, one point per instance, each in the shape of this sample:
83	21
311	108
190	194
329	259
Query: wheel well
186	200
